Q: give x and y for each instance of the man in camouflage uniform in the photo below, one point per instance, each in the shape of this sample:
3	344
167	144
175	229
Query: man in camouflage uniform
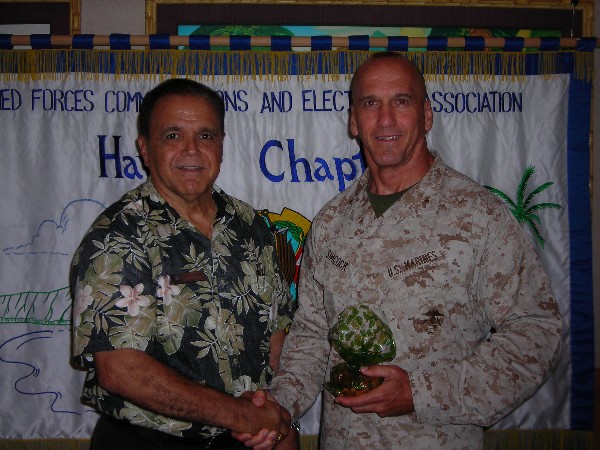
179	302
443	263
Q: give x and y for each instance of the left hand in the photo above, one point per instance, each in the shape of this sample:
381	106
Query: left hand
263	440
267	440
392	398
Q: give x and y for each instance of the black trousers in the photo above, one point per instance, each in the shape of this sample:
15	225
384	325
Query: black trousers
113	434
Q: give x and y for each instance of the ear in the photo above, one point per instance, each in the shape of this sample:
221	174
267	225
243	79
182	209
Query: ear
352	126
428	116
143	149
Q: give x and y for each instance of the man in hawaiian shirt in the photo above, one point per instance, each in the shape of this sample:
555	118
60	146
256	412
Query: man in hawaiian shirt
180	305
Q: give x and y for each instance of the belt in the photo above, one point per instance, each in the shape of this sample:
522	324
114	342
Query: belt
223	441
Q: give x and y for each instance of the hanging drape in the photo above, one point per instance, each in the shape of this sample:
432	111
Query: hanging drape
68	142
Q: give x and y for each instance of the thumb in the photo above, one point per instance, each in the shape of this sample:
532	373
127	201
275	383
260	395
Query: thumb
376	371
259	398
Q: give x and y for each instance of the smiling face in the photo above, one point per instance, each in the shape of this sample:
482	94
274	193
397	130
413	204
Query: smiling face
184	149
390	114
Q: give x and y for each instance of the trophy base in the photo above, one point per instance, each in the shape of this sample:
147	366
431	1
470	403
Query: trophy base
347	381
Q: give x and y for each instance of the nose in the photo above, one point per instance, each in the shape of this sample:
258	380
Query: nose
191	146
386	116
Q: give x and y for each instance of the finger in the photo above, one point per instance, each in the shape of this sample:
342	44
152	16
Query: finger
259	438
359	400
280	438
242	437
378	371
282	431
259	398
267	444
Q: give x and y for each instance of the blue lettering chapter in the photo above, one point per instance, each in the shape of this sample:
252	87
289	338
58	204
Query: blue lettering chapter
301	170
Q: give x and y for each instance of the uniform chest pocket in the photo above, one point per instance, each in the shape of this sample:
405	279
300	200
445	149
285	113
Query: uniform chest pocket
336	291
346	284
426	310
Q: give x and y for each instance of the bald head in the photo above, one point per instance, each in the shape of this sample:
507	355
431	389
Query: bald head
404	65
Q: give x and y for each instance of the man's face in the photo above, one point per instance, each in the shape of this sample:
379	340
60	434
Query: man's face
184	150
389	114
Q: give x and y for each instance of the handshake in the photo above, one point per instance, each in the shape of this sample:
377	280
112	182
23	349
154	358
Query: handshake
278	429
362	339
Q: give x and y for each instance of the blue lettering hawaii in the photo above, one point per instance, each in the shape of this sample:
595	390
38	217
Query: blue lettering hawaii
301	170
126	166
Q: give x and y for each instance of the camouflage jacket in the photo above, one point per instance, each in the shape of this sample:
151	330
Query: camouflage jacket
145	278
471	309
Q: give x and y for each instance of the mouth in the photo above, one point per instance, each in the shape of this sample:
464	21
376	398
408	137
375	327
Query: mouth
388	138
190	167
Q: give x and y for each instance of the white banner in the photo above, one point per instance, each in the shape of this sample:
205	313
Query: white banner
69	151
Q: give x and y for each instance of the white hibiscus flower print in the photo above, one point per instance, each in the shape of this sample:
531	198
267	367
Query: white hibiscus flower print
166	290
132	299
82	301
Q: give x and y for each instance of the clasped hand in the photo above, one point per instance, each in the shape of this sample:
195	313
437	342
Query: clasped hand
266	438
270	423
391	398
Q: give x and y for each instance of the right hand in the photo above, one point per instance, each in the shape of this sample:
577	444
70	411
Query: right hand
267	438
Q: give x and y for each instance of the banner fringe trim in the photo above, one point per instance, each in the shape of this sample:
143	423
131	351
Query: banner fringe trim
98	65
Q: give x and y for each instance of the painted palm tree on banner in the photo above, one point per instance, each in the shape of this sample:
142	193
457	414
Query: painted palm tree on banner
522	207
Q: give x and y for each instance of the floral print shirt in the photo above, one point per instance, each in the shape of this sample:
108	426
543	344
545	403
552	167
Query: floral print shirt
144	278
